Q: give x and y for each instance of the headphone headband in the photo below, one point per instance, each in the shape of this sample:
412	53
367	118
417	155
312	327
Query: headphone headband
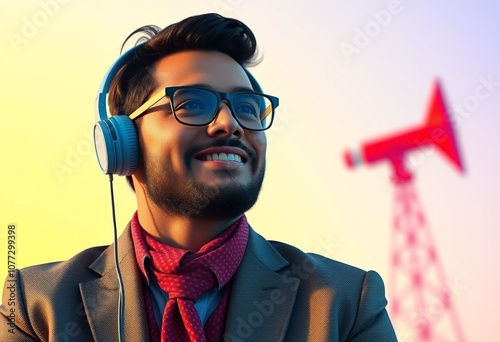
101	112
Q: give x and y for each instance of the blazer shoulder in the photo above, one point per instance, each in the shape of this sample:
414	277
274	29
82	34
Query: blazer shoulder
352	299
316	271
48	277
321	265
47	297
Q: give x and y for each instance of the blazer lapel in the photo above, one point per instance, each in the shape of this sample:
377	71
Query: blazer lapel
261	299
259	307
100	296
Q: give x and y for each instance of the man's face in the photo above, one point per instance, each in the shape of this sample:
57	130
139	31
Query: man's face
178	162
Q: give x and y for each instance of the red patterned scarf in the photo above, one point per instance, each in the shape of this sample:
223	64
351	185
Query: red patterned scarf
185	276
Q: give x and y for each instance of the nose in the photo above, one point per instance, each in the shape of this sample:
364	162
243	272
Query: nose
225	125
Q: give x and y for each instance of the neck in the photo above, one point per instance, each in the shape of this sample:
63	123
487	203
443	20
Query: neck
179	231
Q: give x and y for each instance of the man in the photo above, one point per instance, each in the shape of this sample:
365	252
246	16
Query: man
192	267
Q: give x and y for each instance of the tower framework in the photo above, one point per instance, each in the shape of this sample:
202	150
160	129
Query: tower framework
420	296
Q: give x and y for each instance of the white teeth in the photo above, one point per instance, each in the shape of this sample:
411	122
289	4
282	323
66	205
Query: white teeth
223	156
234	157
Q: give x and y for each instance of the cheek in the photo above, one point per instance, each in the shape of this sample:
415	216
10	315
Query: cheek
162	144
259	144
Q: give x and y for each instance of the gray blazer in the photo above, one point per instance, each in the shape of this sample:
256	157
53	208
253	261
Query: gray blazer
278	294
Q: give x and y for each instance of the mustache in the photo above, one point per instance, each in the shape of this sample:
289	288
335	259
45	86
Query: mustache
220	143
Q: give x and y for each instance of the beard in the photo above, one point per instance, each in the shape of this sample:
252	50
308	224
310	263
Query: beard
195	199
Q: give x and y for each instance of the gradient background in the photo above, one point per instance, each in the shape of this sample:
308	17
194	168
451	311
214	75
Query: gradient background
54	54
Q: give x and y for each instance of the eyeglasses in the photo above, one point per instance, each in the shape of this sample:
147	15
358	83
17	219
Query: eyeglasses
196	106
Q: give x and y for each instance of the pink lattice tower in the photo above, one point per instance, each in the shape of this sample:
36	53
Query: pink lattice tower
420	300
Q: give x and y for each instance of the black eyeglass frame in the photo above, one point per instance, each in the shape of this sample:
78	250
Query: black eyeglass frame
170	91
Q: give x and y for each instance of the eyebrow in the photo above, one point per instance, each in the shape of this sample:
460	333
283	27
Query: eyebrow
208	86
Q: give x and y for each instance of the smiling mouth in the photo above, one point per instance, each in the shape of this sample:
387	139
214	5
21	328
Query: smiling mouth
223	157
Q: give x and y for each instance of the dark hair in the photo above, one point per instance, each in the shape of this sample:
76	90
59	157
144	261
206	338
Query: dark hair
208	32
135	81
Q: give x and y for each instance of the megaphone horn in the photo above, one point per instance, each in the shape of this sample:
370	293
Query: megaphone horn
437	131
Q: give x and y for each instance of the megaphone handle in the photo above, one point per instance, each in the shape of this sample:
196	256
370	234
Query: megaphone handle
400	174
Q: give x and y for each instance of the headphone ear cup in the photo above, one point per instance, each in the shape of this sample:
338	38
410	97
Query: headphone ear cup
116	145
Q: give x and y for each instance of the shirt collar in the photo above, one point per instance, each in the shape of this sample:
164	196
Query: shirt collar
141	252
143	257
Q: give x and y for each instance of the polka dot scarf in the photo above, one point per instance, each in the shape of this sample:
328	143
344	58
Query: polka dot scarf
186	276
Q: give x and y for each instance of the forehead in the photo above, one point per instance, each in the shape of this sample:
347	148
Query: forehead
213	68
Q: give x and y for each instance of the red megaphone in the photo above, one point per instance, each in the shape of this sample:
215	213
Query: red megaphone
437	131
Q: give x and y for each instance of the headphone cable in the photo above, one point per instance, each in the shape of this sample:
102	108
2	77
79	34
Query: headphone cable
121	298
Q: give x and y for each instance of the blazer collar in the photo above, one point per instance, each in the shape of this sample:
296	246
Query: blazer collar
262	299
100	297
260	304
